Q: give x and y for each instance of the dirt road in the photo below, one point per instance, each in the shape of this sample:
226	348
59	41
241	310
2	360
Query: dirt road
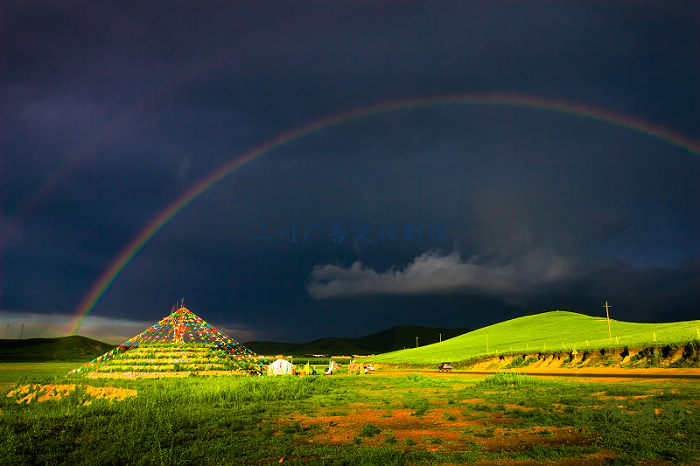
597	373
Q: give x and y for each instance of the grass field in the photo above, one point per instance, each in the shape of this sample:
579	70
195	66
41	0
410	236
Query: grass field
377	419
546	332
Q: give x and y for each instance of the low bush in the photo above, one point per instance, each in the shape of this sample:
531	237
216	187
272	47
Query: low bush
510	379
369	430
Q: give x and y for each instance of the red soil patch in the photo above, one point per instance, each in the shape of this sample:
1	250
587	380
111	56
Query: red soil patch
434	431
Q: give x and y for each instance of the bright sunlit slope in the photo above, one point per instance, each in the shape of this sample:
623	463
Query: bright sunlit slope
550	331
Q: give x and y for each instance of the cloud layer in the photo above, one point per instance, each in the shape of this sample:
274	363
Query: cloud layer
432	273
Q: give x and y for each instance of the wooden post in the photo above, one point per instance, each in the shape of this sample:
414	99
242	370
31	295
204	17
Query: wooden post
440	337
416	342
607	313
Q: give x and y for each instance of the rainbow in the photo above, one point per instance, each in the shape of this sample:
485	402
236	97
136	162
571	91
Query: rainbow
127	254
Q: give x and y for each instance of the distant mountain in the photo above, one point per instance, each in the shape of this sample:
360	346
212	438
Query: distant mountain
72	348
392	339
77	348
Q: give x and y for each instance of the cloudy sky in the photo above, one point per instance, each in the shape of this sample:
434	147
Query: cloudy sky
456	214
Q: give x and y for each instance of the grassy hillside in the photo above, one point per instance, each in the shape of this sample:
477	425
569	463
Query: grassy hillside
550	331
73	348
386	340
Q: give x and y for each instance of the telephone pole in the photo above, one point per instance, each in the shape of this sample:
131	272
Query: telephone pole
607	314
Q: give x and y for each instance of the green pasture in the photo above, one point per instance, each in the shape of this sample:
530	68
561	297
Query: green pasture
546	332
13	372
253	420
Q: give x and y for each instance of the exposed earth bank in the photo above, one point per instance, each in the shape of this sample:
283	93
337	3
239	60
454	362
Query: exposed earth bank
684	357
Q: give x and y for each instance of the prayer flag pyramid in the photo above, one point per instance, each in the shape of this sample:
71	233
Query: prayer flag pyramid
180	342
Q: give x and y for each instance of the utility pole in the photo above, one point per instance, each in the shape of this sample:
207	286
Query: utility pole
607	313
416	342
21	330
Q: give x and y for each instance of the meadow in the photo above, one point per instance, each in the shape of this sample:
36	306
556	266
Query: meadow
383	418
547	332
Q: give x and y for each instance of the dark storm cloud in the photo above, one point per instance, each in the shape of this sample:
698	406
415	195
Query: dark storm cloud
431	273
135	102
642	292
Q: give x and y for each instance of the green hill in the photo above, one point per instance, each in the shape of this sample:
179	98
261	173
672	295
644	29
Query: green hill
386	340
548	332
72	348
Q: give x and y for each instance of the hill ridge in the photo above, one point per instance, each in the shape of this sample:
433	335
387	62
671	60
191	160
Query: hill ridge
68	348
398	337
549	331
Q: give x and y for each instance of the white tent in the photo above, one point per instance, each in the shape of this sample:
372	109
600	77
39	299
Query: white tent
280	367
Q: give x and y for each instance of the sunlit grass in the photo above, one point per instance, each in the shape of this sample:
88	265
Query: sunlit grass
251	420
548	332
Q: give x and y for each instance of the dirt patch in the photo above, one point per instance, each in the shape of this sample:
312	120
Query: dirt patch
441	429
40	393
432	431
506	439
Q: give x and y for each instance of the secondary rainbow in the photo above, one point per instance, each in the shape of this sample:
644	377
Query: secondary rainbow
99	288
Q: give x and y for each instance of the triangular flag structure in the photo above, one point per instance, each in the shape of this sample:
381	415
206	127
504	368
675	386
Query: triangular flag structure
180	342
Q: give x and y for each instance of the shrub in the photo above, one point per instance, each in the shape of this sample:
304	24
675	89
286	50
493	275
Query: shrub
515	363
415	377
506	379
294	428
418	406
369	430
